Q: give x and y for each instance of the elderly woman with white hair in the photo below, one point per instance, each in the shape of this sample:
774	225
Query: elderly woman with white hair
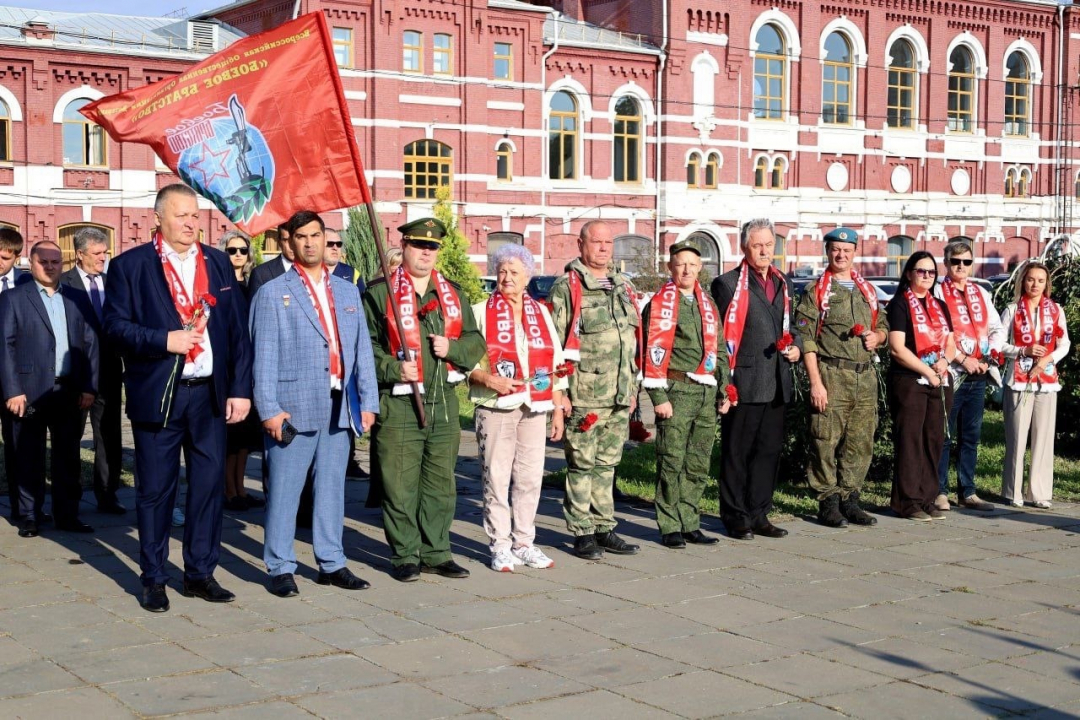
514	388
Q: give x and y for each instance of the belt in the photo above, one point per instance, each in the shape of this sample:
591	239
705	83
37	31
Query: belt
195	382
678	375
846	364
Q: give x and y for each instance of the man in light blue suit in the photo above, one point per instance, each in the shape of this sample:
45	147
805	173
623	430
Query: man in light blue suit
315	377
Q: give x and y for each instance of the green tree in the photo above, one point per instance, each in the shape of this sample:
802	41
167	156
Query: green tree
359	241
453	259
258	242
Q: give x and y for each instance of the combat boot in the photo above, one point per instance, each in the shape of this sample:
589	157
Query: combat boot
829	512
851	510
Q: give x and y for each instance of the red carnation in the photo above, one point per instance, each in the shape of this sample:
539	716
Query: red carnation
431	306
1058	332
209	299
564	370
997	357
858	330
784	342
587	422
732	394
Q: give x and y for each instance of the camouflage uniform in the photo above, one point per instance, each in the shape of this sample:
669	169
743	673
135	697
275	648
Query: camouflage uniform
842	437
684	442
605	382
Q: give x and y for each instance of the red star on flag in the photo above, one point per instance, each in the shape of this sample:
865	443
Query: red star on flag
206	165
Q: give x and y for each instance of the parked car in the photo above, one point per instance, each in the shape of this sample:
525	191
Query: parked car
800	285
539	288
489	283
886	285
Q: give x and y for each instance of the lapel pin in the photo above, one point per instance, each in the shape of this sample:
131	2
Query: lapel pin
285	300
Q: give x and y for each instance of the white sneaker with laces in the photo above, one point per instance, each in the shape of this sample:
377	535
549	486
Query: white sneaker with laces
177	517
503	561
1043	504
533	557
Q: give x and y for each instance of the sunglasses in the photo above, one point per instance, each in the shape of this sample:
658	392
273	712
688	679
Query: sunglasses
237	250
424	244
923	272
957	262
334	243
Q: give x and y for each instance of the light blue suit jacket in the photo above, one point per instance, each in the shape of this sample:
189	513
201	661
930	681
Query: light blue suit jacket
291	356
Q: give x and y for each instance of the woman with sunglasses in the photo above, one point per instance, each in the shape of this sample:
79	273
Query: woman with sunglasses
1036	340
921	345
240	437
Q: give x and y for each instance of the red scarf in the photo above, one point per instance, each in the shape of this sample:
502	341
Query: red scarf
1024	336
663	319
452	322
401	286
929	324
194	312
735	322
503	357
572	346
971	323
824	290
337	368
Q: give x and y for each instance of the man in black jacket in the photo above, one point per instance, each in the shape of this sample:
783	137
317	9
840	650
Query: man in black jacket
272	268
755	301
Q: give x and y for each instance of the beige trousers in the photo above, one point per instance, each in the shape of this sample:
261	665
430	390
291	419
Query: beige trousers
1037	413
512	446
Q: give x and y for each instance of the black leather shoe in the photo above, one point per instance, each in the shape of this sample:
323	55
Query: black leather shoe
343	578
75	526
28	529
110	507
409	572
699	538
284	585
208	589
615	544
673	540
253	502
449	569
771	531
585	547
154	599
741	533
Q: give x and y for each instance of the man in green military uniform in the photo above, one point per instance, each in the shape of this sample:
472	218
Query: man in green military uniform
685	363
417	463
598	325
842	327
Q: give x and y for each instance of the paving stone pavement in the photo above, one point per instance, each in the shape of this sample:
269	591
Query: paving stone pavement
974	616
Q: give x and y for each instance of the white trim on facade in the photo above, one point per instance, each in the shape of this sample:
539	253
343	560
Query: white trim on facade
79	93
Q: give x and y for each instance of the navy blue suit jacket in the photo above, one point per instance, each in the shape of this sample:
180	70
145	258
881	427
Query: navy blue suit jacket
139	314
28	346
263	274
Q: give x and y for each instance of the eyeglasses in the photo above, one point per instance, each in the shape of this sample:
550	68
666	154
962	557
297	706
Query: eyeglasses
923	272
957	262
237	250
424	244
334	243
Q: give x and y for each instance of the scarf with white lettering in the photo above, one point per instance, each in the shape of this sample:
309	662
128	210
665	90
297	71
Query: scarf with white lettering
929	324
824	291
572	346
501	336
739	307
1023	335
663	319
971	323
194	311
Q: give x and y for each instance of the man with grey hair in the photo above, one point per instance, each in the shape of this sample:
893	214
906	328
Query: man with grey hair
755	303
88	275
978	331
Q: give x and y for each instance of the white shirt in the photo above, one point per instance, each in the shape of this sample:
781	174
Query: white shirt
10	275
204	364
286	263
86	282
324	303
1012	352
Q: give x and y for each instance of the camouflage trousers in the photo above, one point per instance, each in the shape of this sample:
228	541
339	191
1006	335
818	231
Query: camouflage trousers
684	444
591	457
842	437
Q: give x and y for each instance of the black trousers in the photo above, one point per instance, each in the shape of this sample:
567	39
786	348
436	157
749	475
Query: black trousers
751	437
919	415
7	423
104	417
56	414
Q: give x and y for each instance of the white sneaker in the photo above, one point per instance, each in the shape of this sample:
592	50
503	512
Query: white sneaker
1042	504
503	561
534	557
177	517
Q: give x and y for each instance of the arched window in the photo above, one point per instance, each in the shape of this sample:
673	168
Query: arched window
761	173
84	141
902	110
1023	183
495	241
712	170
428	166
770	73
65	238
627	140
899	249
710	255
961	112
1010	182
504	162
634	254
442	55
5	132
837	73
1017	94
704	69
562	137
693	170
776	178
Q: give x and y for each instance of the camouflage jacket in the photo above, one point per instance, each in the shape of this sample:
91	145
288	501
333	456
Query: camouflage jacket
846	308
687	349
606	376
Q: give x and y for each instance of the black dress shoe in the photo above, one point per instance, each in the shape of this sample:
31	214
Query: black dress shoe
343	578
741	533
673	540
699	538
154	599
449	569
75	526
253	502
409	572
615	544
770	530
110	507
585	547
208	589
28	529
284	585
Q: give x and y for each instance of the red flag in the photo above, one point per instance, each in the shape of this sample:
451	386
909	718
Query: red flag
261	129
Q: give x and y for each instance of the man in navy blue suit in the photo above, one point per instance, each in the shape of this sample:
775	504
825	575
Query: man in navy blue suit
11	245
49	371
176	314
